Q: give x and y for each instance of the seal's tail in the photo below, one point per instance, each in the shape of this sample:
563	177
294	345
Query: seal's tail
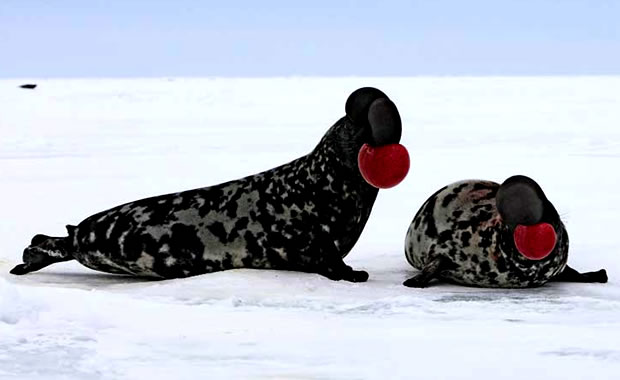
43	251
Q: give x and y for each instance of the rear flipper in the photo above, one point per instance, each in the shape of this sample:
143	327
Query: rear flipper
571	275
424	277
43	251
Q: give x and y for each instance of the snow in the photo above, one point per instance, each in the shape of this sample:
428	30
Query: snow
71	148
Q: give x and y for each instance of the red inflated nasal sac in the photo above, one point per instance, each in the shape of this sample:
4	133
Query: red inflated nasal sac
535	242
383	166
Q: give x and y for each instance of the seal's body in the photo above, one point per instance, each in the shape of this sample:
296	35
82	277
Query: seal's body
305	215
465	234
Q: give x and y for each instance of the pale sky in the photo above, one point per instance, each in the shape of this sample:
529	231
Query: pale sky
94	38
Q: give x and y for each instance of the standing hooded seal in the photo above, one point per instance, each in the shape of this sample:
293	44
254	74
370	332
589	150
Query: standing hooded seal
305	215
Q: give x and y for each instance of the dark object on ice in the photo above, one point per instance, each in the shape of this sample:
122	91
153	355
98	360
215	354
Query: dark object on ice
28	86
478	233
304	216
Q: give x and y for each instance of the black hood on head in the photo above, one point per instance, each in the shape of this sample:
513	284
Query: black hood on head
371	118
521	201
371	110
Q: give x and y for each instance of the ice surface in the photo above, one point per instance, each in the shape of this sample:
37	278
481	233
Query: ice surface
71	148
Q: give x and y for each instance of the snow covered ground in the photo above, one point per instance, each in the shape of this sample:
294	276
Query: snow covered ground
71	148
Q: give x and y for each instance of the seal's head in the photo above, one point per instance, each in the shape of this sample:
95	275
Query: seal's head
527	212
381	160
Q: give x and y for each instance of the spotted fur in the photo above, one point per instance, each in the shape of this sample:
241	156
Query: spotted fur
305	215
460	229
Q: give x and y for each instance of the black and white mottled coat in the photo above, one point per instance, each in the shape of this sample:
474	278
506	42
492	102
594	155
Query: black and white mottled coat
305	215
459	236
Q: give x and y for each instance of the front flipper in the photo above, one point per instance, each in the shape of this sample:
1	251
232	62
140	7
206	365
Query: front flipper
345	273
430	271
328	263
335	269
571	275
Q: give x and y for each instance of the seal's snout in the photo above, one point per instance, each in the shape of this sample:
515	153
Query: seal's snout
535	242
385	163
384	166
382	161
522	204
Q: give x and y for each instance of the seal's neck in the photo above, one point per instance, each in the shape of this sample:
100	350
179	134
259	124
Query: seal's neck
338	150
